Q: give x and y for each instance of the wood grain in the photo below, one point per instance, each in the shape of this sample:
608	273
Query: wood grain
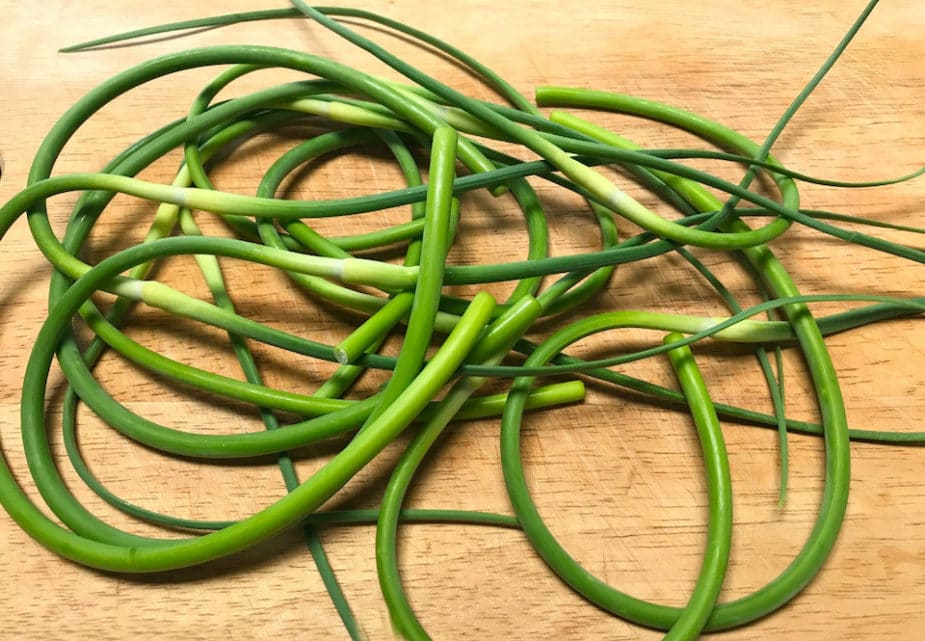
619	481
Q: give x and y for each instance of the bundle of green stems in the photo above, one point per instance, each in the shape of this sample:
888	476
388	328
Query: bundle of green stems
451	346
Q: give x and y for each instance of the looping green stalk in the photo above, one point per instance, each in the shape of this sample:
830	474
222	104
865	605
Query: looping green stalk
695	614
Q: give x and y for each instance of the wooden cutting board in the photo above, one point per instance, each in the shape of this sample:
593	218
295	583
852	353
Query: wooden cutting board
619	480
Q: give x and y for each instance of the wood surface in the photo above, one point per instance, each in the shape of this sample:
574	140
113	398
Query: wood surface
619	480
